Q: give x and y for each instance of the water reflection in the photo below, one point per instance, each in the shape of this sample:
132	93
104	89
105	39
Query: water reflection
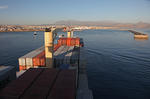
118	67
34	36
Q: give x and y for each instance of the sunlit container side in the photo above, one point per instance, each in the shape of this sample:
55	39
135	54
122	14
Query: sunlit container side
36	60
22	61
73	43
22	67
42	61
39	60
26	61
31	55
64	41
69	41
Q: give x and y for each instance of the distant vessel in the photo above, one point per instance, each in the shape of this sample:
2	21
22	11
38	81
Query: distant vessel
35	33
138	35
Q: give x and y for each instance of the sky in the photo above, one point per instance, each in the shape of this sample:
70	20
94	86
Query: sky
50	11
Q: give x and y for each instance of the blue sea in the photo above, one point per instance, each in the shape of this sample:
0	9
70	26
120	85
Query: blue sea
118	66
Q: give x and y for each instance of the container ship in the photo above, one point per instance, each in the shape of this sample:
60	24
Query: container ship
53	71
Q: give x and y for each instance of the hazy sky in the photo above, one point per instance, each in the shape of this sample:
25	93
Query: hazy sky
49	11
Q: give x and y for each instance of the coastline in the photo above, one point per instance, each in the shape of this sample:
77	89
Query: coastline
23	31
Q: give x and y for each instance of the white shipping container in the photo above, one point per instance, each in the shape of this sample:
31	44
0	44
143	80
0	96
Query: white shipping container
26	60
22	61
29	62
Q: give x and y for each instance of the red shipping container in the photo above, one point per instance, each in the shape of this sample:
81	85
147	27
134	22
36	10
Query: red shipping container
36	60
56	47
39	60
22	67
73	42
60	41
64	41
68	42
42	61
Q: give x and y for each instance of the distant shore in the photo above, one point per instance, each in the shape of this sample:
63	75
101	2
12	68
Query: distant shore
74	30
23	30
32	28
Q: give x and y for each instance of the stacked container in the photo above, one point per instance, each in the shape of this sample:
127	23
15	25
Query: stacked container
69	41
35	58
26	62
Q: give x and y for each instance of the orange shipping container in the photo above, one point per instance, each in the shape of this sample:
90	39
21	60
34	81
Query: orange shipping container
56	47
22	67
36	60
64	41
68	41
73	42
39	60
42	61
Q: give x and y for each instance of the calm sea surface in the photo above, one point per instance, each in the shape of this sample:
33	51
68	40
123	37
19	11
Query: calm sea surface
118	65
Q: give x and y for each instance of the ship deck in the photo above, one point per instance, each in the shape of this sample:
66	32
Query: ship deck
43	84
68	80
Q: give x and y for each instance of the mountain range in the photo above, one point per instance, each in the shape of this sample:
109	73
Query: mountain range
138	25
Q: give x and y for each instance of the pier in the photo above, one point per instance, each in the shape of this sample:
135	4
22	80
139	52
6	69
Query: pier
53	71
138	35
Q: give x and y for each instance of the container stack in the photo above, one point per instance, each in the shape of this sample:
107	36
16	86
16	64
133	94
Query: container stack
70	41
35	58
65	52
68	55
26	62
